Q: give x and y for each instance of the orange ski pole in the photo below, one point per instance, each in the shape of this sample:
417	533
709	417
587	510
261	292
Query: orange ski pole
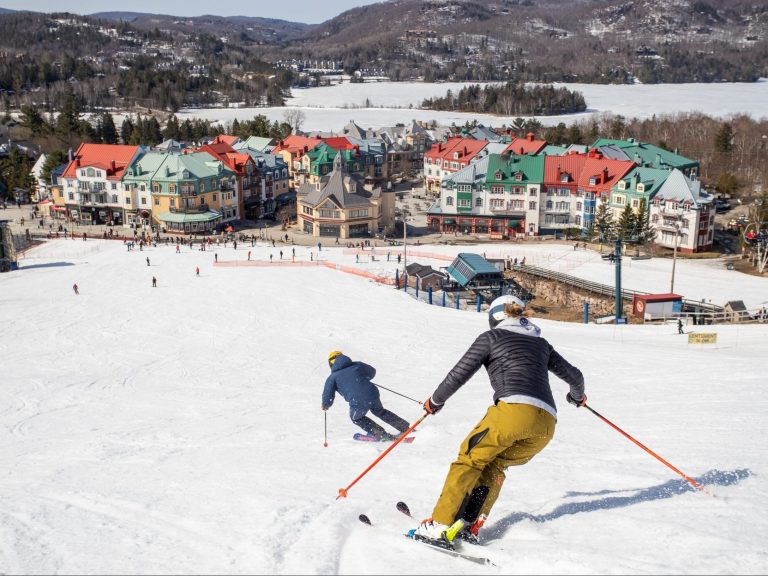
343	491
651	452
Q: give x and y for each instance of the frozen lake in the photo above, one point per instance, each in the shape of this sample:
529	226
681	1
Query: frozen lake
377	104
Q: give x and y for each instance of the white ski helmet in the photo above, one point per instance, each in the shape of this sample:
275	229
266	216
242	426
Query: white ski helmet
496	312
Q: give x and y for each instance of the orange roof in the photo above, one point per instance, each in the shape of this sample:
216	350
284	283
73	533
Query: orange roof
296	144
525	145
112	158
467	148
226	139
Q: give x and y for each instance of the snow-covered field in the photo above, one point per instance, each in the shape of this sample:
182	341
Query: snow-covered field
178	429
377	104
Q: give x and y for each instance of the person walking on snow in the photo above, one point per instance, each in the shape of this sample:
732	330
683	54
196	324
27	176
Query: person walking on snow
147	260
154	282
680	326
75	288
197	270
352	380
518	425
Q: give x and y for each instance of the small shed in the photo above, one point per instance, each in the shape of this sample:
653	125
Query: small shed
473	271
426	277
735	311
654	306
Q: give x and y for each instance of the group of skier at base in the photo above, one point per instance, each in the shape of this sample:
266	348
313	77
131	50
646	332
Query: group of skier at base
518	425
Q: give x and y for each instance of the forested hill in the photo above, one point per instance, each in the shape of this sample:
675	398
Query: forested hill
594	41
126	59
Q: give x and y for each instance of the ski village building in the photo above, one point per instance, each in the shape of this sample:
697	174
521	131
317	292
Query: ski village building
339	205
504	188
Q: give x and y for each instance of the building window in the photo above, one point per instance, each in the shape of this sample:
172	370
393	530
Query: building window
497	189
172	202
497	203
464	188
202	199
156	188
157	201
330	214
71	196
214	197
143	200
531	205
478	203
113	185
464	204
448	200
172	188
127	200
91	173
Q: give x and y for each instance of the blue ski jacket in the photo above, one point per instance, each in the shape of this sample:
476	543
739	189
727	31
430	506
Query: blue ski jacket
353	381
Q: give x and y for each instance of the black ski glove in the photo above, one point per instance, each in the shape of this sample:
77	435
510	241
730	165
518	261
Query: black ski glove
432	408
576	402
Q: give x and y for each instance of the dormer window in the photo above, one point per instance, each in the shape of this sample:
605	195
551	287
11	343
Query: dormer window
519	177
499	175
592	181
640	187
455	155
622	185
564	177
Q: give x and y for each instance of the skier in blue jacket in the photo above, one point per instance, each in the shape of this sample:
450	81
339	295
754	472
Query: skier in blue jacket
353	381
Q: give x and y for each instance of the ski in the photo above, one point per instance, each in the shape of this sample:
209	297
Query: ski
451	552
403	507
368	438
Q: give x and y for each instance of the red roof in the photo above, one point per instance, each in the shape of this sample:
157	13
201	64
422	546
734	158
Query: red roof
666	297
525	145
606	173
226	154
555	167
296	144
466	148
112	158
339	143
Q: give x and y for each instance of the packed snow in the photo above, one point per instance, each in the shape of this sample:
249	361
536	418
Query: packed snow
378	104
178	429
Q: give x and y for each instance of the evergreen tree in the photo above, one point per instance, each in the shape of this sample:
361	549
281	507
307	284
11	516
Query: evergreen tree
52	161
14	171
645	232
603	222
32	119
126	129
68	123
98	133
172	128
153	135
108	129
627	225
724	139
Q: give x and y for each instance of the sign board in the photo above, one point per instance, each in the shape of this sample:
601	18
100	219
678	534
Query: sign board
702	337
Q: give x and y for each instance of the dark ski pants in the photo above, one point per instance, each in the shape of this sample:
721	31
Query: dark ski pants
374	429
508	435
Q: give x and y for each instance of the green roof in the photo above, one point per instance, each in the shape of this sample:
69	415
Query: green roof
648	154
468	267
531	167
184	217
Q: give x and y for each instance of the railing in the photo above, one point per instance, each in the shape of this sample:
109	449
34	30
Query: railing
190	209
690	307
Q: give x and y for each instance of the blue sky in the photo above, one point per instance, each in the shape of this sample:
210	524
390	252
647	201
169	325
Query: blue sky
309	11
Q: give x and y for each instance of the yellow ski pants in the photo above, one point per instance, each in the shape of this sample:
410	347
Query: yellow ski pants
508	435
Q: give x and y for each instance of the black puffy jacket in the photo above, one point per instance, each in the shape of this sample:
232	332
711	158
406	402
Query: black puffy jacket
517	363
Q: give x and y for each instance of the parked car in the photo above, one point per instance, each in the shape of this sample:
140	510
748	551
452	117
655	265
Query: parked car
722	206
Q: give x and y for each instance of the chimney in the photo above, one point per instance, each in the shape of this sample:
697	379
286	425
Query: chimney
77	161
306	148
605	174
112	165
69	154
529	136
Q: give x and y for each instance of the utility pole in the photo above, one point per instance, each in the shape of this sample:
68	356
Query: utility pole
618	300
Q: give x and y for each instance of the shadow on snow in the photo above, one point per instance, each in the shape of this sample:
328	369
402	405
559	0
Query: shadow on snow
660	492
49	265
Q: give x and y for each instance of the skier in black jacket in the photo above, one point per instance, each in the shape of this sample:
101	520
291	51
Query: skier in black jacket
516	428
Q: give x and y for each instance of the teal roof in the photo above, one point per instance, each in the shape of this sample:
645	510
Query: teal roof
468	267
184	217
648	154
651	178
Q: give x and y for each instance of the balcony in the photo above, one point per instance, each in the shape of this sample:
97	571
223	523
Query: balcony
196	209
